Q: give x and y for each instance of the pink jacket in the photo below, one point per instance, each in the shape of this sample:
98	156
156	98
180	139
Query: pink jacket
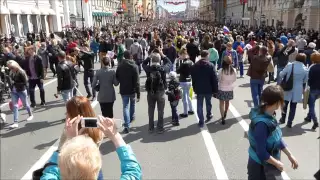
226	81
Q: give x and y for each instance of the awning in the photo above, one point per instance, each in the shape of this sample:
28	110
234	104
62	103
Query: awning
35	11
25	11
4	10
14	10
102	14
44	11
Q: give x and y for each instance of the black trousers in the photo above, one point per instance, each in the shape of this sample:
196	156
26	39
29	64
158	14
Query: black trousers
262	172
106	109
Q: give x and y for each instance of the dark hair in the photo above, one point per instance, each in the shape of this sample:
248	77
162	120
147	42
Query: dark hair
204	53
156	50
278	40
227	66
271	95
106	61
301	57
127	54
210	45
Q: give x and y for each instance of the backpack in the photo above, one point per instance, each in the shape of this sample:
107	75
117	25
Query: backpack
154	82
36	175
179	43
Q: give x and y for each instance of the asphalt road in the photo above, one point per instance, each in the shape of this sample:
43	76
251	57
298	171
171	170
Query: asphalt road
184	152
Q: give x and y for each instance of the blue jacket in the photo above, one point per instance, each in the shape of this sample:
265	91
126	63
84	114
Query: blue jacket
300	77
234	56
94	46
130	168
284	40
273	144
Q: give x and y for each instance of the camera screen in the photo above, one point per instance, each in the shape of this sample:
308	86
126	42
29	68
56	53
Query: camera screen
90	123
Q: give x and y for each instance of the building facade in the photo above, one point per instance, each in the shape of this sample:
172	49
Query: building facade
105	12
235	13
21	17
206	10
162	13
140	10
286	13
191	12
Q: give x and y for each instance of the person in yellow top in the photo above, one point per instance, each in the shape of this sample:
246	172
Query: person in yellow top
178	41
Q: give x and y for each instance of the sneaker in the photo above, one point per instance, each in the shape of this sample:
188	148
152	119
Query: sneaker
175	123
30	118
89	96
209	117
125	130
289	125
3	117
43	104
33	105
183	115
307	119
282	121
14	125
315	125
191	112
160	131
200	125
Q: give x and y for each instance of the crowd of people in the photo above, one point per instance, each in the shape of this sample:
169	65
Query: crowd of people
179	60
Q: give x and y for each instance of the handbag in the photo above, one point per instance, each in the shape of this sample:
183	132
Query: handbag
306	94
287	85
20	104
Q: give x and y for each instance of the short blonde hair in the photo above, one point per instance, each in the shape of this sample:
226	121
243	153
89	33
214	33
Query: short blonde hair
80	159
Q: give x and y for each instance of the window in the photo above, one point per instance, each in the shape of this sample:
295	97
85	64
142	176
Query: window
274	1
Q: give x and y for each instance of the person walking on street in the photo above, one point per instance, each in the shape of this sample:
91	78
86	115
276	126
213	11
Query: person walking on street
156	85
128	76
65	77
205	84
19	91
105	79
35	72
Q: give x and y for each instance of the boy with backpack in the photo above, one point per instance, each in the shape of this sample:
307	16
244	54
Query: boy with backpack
156	85
174	95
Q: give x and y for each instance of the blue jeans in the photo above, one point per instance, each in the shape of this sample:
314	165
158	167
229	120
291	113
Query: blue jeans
256	86
129	103
279	69
241	68
174	112
313	96
67	94
15	96
186	100
200	98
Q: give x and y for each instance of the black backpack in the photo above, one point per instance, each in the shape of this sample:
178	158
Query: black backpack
36	175
154	82
179	43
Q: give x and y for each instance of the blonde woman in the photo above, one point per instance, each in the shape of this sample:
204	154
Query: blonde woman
19	91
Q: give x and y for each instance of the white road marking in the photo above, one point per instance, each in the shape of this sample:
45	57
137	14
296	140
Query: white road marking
46	156
218	167
45	84
245	127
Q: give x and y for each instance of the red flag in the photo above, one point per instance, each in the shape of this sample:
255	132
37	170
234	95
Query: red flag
86	1
243	1
124	6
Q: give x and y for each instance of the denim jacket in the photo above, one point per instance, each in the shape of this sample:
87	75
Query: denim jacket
130	168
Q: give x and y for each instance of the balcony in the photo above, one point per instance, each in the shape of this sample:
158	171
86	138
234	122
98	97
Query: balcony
252	8
298	3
